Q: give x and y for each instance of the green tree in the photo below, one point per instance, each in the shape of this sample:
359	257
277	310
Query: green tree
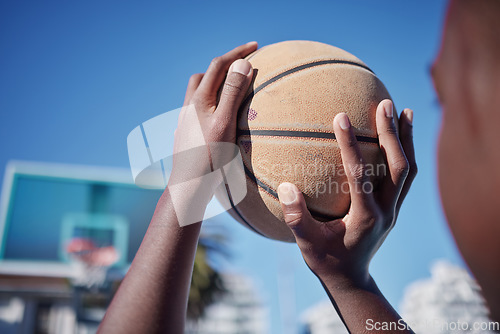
207	284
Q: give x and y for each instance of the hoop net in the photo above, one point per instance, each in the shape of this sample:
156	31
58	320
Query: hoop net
90	263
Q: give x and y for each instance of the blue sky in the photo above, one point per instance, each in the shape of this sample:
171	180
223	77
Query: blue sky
77	77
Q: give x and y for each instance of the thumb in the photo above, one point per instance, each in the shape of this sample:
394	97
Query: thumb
235	87
297	216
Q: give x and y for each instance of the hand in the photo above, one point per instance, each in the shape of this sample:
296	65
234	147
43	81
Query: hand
341	250
156	288
207	118
206	132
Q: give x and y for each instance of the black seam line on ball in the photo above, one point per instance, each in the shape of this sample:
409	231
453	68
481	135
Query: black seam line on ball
239	214
300	68
261	184
301	134
274	193
230	197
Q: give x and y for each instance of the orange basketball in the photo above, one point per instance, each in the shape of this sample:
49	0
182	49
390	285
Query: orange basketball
285	131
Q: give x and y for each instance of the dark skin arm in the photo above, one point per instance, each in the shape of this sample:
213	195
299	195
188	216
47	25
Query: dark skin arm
153	296
339	252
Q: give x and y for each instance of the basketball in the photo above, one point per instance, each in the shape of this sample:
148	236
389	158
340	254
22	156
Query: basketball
285	131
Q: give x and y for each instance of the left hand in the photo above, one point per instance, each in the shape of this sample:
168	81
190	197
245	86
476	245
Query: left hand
206	132
342	249
205	119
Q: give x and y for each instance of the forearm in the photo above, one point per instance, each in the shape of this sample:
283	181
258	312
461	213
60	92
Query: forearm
153	296
363	307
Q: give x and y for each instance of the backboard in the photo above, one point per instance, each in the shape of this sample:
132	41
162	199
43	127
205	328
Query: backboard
44	206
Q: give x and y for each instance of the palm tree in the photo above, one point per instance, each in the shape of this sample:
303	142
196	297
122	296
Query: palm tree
206	283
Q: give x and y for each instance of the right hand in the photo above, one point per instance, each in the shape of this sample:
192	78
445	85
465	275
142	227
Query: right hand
341	250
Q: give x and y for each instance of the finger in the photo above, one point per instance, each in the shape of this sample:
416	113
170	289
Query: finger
352	160
217	70
406	137
394	156
235	87
193	84
297	216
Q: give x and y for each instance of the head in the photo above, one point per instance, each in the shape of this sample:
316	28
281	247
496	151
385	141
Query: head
466	76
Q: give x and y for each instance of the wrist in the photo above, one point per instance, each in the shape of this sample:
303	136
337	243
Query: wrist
186	202
344	282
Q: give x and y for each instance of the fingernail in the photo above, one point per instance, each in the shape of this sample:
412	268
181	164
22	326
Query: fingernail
286	194
388	109
241	66
409	115
344	121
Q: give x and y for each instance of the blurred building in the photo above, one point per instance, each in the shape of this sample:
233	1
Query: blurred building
44	288
239	311
322	318
449	301
51	217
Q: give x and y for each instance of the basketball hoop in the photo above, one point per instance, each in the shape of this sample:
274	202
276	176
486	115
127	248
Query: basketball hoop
90	263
